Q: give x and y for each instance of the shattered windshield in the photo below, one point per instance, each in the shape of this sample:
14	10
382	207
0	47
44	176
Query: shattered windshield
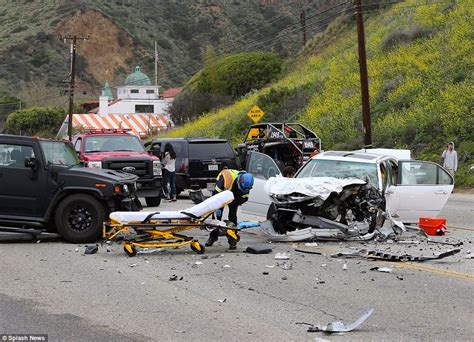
339	169
109	143
59	153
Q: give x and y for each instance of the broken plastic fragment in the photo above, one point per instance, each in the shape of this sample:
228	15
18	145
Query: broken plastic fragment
382	269
226	266
198	263
311	244
91	249
282	256
222	300
340	326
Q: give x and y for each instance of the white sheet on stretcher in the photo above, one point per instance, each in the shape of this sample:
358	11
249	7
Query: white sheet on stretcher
200	210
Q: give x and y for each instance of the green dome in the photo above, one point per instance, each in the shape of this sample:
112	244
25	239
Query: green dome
137	78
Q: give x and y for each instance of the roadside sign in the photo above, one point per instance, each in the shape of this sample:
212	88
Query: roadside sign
255	113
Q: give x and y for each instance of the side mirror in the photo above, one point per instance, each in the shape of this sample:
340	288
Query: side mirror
31	163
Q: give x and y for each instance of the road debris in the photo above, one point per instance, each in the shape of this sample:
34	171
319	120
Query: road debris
469	256
91	249
226	266
133	265
198	263
259	249
174	277
311	244
344	267
382	269
282	256
222	300
307	251
341	327
287	266
179	331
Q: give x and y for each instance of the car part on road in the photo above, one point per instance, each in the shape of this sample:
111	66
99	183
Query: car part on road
407	257
162	229
259	249
91	249
339	326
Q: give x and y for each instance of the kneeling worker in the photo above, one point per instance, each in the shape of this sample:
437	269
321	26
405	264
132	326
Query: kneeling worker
240	183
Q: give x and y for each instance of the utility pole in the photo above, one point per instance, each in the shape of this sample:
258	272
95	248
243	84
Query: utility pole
156	64
72	74
364	81
303	25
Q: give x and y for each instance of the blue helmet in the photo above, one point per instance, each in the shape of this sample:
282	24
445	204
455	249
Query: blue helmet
244	181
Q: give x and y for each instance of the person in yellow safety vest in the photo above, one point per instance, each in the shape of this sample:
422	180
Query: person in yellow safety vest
240	183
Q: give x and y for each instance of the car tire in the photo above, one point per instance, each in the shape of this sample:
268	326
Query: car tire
79	218
153	201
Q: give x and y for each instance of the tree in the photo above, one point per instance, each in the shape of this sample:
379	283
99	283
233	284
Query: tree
236	75
8	104
42	121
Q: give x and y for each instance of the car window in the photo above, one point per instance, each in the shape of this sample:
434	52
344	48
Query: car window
59	153
109	143
178	146
12	155
422	173
210	150
262	166
77	145
339	169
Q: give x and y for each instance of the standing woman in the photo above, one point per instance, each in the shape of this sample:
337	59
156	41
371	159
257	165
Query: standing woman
169	172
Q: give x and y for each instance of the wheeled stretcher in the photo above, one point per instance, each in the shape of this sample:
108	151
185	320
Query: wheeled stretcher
161	229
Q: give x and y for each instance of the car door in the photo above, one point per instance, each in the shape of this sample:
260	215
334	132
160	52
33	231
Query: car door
422	190
262	167
22	188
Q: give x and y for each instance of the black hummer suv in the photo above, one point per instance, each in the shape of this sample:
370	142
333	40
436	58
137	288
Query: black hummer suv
43	186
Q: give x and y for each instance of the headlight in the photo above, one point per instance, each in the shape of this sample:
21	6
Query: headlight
94	164
156	168
125	189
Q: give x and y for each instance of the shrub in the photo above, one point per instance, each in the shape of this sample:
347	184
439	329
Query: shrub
31	121
236	75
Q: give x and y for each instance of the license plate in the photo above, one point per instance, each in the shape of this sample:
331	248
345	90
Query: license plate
211	186
213	167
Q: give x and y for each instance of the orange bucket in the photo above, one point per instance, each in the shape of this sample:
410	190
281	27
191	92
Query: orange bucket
433	225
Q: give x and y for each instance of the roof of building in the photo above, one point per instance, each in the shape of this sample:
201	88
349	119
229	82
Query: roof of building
171	92
96	110
137	78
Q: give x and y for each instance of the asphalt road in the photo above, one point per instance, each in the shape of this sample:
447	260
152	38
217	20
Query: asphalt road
52	288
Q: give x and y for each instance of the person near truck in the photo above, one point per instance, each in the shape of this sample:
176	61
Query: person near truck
169	172
450	157
240	183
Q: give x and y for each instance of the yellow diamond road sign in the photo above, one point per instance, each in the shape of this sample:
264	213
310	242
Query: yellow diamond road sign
255	113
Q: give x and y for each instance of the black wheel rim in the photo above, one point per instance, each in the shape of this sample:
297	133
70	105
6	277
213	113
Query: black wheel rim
79	217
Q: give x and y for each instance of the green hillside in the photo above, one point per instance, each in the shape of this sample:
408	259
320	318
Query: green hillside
421	69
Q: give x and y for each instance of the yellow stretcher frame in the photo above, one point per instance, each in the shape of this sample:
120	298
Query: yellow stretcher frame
151	236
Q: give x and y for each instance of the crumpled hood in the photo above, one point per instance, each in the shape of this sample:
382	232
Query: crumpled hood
315	186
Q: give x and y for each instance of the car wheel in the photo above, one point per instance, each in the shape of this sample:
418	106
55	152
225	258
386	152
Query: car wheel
79	218
153	201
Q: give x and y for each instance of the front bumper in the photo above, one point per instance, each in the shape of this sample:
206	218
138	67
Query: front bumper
129	204
149	187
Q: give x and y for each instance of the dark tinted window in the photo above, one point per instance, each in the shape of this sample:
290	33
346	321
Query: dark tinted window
210	150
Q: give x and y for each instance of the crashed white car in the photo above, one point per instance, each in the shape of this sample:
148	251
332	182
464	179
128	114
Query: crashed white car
348	190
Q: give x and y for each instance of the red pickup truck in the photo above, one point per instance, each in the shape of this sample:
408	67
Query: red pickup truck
121	151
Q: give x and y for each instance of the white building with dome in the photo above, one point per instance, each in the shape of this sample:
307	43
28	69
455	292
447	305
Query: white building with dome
138	108
137	95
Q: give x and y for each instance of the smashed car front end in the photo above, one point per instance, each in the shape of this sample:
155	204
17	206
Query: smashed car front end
324	208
